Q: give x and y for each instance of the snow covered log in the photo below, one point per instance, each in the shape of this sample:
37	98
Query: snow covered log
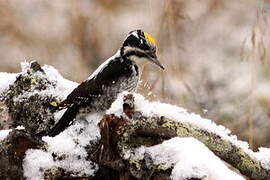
135	139
145	130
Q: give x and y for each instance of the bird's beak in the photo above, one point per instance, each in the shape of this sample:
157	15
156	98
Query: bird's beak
153	58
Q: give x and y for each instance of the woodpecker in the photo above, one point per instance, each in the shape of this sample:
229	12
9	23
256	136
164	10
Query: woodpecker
119	73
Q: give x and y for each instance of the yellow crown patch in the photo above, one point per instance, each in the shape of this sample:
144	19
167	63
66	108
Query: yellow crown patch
53	103
149	39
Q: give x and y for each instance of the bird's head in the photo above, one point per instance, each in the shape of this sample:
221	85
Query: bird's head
140	47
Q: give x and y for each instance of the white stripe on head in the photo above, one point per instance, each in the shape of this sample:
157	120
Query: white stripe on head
130	48
134	33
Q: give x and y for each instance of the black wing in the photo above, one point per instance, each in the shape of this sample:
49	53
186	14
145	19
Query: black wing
65	121
92	88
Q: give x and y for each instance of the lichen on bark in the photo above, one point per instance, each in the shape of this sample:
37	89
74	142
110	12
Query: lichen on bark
28	102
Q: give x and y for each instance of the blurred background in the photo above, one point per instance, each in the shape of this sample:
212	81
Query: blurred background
216	52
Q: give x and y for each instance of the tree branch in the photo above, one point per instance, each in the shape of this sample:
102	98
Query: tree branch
142	130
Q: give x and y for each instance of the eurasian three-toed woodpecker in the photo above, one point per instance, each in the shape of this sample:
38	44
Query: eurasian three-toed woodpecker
119	73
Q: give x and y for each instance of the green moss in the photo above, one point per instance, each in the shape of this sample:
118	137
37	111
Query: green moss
247	162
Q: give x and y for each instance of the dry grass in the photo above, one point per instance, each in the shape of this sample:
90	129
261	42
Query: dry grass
254	52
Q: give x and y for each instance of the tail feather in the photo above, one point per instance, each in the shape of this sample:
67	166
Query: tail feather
64	121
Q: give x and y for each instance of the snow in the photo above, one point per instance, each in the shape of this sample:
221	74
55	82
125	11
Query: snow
6	79
35	162
263	155
62	89
20	128
188	158
25	66
4	134
176	113
63	86
71	143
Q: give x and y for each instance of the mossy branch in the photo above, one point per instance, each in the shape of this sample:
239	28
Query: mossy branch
149	131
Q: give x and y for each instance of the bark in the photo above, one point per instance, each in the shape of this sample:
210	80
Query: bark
12	152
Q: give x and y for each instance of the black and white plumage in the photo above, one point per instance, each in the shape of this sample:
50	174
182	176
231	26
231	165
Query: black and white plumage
119	73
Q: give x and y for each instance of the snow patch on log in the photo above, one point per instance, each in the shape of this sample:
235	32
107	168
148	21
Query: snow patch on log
33	94
6	79
63	86
66	151
188	158
158	109
263	155
5	133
